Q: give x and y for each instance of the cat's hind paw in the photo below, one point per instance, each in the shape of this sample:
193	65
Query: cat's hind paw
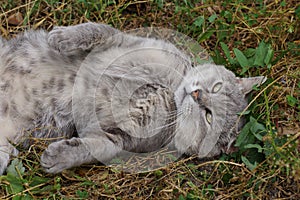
62	155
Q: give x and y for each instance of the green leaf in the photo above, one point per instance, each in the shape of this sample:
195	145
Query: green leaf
251	61
158	173
37	180
257	146
243	135
269	56
206	35
227	15
260	54
15	183
160	3
282	3
226	52
257	129
181	197
218	59
23	197
248	163
191	184
297	11
15	168
47	188
250	52
241	58
259	133
292	101
82	194
250	132
244	113
199	21
212	18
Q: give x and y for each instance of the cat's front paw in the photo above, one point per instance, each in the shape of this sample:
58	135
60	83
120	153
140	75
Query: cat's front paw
63	39
5	152
75	39
62	155
79	38
4	159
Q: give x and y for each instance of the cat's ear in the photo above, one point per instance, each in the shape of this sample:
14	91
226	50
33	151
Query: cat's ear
246	84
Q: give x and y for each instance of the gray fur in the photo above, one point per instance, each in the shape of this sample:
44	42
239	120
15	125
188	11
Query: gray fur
117	91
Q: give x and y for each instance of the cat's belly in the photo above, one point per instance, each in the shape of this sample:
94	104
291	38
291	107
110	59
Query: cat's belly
148	122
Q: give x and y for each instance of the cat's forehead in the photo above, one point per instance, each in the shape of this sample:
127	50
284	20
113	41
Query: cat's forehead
209	74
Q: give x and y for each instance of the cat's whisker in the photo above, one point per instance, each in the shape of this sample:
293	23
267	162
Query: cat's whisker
171	124
177	128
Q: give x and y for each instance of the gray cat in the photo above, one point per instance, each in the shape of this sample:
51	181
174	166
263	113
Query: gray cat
117	92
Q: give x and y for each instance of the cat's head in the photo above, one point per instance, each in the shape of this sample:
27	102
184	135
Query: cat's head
209	100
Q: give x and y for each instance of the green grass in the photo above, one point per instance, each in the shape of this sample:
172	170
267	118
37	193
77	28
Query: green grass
248	37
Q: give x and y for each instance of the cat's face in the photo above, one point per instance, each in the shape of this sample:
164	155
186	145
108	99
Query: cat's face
208	102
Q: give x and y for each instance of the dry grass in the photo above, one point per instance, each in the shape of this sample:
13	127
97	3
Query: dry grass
243	27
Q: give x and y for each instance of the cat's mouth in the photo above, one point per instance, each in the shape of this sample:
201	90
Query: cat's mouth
190	101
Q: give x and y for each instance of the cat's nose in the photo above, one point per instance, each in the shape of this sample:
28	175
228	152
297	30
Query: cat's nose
197	94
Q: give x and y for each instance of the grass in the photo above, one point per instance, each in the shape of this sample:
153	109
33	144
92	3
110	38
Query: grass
250	38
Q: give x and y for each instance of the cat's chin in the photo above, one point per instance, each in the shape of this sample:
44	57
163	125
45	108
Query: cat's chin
184	142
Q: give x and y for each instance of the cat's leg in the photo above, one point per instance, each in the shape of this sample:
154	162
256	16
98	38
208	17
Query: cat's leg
2	44
1	41
71	40
7	131
6	150
65	154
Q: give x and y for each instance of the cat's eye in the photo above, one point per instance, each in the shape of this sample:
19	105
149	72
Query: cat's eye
217	87
208	116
